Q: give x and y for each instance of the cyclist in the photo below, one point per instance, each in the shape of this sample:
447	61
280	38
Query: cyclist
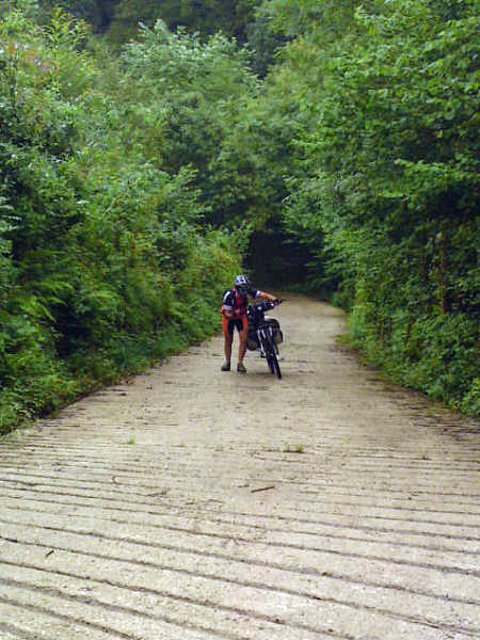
234	312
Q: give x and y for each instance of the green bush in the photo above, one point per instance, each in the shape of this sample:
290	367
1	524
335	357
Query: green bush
106	264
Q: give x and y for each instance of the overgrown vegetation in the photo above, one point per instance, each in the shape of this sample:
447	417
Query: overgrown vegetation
107	257
134	180
387	196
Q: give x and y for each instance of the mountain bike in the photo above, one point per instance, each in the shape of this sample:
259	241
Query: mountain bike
264	333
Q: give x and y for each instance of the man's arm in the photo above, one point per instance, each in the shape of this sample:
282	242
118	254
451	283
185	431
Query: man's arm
266	296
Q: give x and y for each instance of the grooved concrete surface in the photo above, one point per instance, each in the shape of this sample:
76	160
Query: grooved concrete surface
191	504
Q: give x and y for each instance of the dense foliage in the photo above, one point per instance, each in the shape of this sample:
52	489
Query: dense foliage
122	19
105	248
204	16
342	143
389	188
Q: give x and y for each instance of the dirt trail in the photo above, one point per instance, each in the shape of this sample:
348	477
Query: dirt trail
192	504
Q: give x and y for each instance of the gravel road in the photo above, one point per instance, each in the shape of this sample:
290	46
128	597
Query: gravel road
191	504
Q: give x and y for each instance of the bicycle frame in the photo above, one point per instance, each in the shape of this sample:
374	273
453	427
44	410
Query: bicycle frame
265	333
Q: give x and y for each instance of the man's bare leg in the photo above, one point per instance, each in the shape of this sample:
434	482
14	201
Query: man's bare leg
228	351
242	350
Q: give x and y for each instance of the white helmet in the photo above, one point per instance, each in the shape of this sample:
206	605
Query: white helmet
242	283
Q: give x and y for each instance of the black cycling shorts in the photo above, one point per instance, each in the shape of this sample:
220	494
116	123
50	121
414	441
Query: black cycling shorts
229	325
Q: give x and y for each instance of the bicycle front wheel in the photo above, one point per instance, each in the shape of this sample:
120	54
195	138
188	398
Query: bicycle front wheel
270	362
276	366
272	358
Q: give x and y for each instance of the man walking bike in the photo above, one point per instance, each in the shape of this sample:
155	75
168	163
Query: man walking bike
234	312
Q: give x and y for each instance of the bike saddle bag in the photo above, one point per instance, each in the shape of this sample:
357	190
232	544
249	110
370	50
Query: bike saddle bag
276	331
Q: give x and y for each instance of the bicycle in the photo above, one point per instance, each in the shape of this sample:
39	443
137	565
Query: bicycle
264	334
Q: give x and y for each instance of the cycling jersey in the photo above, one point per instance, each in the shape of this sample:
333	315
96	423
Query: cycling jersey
237	302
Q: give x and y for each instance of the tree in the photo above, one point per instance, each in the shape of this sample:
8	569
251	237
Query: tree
204	16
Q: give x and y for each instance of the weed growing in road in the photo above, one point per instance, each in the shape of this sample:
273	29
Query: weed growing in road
298	448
